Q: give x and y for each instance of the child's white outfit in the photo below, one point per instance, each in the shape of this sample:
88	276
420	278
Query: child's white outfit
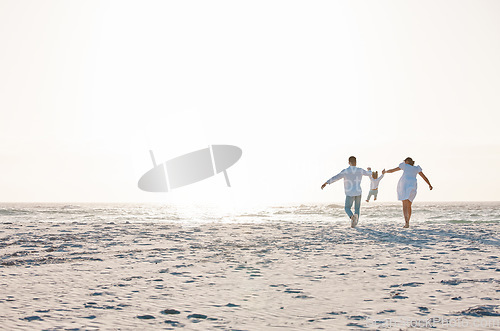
374	187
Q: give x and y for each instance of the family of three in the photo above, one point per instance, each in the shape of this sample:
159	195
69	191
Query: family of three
407	186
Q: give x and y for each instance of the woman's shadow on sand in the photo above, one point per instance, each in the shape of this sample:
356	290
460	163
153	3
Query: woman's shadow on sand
427	238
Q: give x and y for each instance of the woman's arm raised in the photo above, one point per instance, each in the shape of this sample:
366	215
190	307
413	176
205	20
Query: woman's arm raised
426	180
391	170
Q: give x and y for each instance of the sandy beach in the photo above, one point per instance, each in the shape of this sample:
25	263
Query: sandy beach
248	275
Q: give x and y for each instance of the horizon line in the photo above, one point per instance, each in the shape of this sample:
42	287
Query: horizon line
211	202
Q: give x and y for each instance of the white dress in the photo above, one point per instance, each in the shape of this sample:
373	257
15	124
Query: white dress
407	185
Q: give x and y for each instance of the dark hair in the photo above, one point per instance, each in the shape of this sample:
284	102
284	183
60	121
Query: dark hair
410	161
352	159
375	175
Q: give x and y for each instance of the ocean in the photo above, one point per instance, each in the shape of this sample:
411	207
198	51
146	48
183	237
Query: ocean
373	212
291	267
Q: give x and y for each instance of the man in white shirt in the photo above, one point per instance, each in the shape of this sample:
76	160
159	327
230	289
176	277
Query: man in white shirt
352	180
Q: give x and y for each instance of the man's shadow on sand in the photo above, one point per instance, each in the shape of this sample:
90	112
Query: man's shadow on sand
427	238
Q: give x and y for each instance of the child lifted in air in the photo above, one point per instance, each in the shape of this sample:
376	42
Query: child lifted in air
375	179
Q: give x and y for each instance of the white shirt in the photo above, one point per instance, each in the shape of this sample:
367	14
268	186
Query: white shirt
374	183
352	180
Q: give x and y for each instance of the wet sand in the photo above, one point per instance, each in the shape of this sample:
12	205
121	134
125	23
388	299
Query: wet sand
246	276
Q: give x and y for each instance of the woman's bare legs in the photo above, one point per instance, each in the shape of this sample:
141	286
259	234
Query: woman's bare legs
407	212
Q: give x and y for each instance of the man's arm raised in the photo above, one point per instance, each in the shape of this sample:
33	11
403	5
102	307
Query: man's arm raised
335	178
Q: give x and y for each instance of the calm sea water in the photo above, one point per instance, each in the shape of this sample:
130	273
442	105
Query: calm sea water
448	212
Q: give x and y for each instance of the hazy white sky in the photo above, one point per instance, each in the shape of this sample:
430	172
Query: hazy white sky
87	88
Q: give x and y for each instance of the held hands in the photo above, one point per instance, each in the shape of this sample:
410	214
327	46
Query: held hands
323	186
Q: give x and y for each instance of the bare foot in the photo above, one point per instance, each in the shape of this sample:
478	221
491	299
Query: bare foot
367	200
407	225
375	199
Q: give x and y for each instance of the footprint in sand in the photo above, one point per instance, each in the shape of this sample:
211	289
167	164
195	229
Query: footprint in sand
174	323
32	318
170	312
386	311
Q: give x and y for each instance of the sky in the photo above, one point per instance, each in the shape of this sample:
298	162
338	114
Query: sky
88	88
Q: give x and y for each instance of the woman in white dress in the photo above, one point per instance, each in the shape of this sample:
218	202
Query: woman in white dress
407	185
